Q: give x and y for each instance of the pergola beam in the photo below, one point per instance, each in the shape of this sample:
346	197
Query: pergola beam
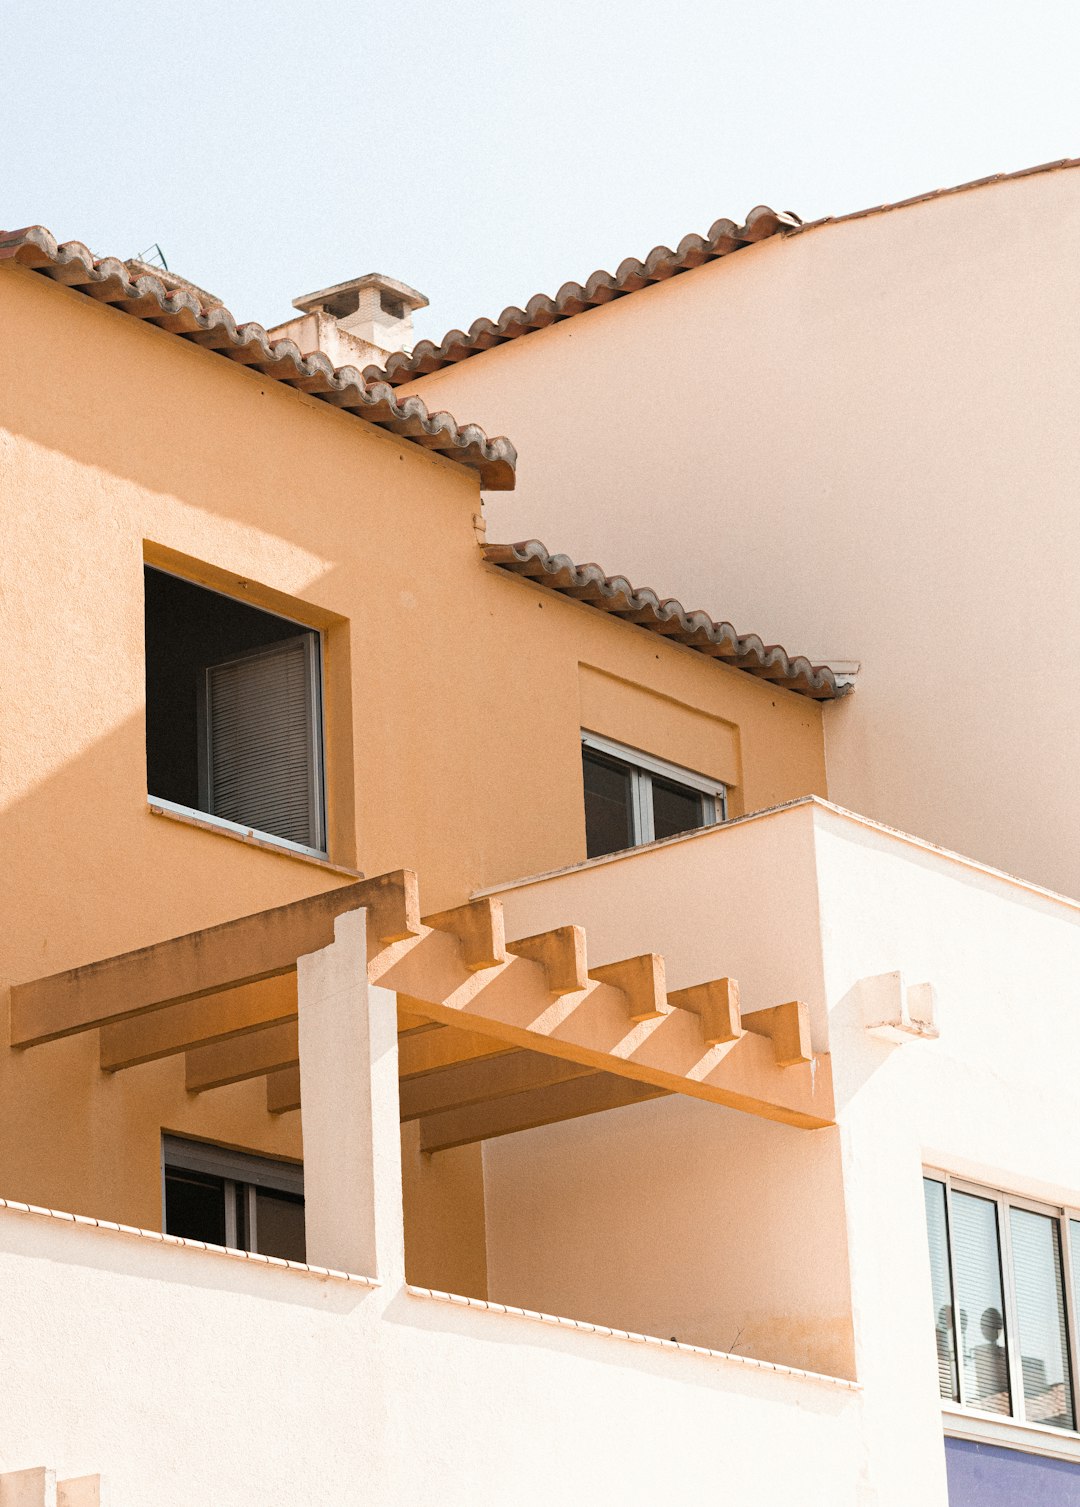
226	996
197	1022
283	1090
206	962
527	1111
241	1057
429	1051
595	1027
490	1078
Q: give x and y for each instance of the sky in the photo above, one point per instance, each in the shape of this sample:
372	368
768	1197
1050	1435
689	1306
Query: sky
483	151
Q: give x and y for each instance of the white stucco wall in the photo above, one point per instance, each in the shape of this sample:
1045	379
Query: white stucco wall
187	1378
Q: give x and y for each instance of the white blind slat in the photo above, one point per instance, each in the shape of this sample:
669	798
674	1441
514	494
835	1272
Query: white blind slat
262	738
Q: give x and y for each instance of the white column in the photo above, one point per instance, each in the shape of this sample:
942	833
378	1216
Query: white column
349	1110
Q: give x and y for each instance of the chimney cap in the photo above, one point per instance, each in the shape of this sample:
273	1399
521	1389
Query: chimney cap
311	303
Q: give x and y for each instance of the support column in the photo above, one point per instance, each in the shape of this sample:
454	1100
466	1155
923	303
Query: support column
349	1110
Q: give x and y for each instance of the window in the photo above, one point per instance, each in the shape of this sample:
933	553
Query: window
1003	1271
233	712
392	306
251	1203
632	798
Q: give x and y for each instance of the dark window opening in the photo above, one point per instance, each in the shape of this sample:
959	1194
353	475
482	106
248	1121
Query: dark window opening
627	804
233	711
392	306
608	824
195	1206
675	808
234	1198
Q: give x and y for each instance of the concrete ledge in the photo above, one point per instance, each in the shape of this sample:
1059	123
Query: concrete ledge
456	1300
247	836
12	1206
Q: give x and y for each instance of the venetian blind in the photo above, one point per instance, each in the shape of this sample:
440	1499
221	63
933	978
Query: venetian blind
944	1315
1040	1311
262	740
979	1297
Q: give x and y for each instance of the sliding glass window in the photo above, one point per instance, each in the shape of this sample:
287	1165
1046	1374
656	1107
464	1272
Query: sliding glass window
1003	1272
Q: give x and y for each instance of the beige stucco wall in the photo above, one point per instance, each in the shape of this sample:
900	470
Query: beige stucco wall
858	442
453	700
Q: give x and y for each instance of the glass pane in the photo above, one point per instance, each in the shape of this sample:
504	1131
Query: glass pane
941	1278
279	1224
1040	1318
195	1206
607	805
977	1255
675	808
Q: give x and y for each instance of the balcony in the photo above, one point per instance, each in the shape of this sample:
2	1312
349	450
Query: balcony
704	1076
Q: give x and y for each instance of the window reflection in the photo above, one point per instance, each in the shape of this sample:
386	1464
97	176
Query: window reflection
977	1257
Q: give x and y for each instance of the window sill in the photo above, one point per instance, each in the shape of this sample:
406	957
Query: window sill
1010	1433
221	828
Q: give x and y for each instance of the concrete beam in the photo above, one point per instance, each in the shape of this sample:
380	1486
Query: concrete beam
206	962
594	1026
716	1005
491	1078
283	1091
545	1106
642	980
480	930
249	1056
197	1022
788	1028
432	1050
561	954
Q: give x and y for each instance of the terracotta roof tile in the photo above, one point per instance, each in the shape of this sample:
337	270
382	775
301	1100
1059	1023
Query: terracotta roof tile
602	287
181	310
574	298
695	630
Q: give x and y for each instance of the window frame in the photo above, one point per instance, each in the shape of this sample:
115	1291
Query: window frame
1062	1214
642	767
242	1172
316	651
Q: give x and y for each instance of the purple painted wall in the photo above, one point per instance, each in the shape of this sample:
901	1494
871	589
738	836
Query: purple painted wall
982	1475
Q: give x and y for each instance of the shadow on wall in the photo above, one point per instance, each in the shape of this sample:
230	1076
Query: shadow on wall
682	1220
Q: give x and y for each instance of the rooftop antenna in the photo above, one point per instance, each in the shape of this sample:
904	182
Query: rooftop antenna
153	256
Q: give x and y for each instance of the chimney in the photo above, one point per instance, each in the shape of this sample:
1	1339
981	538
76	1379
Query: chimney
358	323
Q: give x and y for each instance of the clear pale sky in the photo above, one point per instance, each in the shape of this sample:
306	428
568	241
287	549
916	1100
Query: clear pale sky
487	151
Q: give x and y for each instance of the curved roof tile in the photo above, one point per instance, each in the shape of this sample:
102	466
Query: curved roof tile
181	311
573	298
696	630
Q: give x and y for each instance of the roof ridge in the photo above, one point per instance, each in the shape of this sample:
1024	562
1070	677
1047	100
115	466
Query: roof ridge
990	180
181	312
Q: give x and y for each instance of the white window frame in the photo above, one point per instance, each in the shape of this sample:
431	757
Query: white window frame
642	767
1062	1214
315	681
242	1173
